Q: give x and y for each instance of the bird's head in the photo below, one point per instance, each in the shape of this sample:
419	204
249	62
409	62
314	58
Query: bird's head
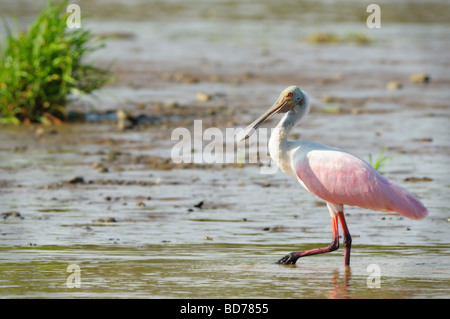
292	99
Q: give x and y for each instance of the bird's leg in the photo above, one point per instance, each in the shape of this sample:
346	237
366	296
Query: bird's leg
347	238
292	257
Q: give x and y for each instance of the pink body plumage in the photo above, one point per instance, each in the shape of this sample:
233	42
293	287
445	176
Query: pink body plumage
341	178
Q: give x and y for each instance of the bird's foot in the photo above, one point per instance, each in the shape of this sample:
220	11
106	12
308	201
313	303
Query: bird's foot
289	259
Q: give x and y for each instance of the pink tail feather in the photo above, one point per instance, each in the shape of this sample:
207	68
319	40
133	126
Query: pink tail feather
404	203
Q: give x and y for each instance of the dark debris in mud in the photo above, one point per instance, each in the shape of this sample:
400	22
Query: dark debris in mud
418	179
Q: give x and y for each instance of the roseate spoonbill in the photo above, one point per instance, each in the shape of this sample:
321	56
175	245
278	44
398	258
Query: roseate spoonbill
334	175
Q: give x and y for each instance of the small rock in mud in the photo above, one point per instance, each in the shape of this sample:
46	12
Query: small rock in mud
203	97
319	203
417	179
199	205
184	78
274	229
112	156
125	121
41	131
420	77
11	214
100	167
141	204
76	180
103	169
393	85
106	220
143	198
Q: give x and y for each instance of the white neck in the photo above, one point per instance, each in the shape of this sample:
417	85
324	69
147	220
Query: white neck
278	142
279	146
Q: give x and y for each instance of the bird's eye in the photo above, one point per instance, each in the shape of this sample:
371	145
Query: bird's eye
290	94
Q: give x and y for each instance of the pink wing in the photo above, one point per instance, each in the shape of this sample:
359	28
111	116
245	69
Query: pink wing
341	178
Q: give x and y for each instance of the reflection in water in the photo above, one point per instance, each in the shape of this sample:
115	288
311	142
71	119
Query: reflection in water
339	288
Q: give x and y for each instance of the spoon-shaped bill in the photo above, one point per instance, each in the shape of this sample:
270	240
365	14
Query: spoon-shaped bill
249	130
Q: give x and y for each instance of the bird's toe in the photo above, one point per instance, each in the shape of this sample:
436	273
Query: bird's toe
289	259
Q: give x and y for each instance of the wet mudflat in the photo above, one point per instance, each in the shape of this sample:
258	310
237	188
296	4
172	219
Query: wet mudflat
138	225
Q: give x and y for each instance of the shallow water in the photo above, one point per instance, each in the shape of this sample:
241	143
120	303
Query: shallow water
138	230
211	270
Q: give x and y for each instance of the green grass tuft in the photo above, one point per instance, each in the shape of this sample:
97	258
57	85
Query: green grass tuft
381	160
40	67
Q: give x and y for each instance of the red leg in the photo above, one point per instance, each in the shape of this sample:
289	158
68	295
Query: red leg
292	257
347	238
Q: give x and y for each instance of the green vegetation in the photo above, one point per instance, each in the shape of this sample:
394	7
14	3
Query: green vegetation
40	67
381	160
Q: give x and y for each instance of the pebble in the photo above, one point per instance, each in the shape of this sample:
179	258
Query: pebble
273	229
419	77
199	205
76	180
103	169
11	214
203	97
171	105
393	85
125	120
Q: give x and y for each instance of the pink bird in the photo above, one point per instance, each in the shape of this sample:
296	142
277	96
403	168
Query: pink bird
334	175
